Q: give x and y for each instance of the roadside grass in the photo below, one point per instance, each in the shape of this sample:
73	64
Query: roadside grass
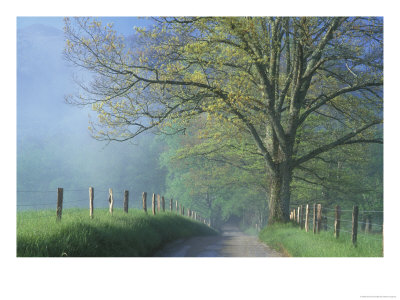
122	234
298	243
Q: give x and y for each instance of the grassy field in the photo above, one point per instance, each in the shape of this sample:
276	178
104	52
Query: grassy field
123	234
295	242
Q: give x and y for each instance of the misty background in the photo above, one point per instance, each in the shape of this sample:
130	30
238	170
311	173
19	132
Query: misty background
54	147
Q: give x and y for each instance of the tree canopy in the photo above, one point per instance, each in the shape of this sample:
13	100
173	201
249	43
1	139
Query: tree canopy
298	87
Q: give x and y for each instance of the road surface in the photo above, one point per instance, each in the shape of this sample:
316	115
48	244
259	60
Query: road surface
231	243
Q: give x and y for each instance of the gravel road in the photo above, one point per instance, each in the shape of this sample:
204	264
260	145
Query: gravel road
231	243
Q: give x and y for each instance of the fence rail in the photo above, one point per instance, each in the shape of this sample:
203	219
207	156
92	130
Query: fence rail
320	220
158	203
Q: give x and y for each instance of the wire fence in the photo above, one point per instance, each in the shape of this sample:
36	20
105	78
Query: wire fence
46	202
364	223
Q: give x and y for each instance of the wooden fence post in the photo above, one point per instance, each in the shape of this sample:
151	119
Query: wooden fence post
301	217
91	197
354	225
298	214
144	200
314	218
176	204
319	217
126	200
306	227
180	209
367	224
163	203
170	204
183	210
110	200
158	202
336	227
153	203
60	192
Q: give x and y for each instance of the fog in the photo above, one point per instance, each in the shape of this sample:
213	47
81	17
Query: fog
54	147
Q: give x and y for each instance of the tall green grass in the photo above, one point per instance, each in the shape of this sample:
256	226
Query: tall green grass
122	234
295	242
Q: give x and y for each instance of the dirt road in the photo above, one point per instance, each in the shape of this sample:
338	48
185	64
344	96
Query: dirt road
231	243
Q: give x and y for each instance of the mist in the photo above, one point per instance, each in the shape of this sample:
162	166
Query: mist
54	147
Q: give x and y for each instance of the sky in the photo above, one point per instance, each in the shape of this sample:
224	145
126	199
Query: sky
122	25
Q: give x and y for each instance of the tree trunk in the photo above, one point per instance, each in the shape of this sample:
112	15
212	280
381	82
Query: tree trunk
279	195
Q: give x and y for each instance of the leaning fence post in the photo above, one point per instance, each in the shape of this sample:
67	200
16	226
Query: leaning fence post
153	203
126	200
307	218
60	192
354	225
337	222
144	200
110	200
91	197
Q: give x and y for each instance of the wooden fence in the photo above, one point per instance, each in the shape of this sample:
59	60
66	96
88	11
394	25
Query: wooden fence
300	215
158	205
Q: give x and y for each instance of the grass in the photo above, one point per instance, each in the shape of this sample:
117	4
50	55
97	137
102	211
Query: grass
295	242
123	234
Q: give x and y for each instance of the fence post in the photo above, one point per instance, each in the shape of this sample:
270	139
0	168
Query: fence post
91	197
314	218
110	200
163	203
319	217
354	225
170	204
183	210
298	214
126	200
176	204
180	209
60	192
158	202
337	222
307	218
367	224
301	217
144	200
153	203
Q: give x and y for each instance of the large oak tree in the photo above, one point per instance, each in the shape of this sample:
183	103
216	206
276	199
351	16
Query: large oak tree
285	81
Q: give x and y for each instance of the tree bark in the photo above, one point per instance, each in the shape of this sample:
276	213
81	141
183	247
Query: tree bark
279	195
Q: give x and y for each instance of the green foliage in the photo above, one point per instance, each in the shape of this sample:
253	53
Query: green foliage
132	234
298	243
268	96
